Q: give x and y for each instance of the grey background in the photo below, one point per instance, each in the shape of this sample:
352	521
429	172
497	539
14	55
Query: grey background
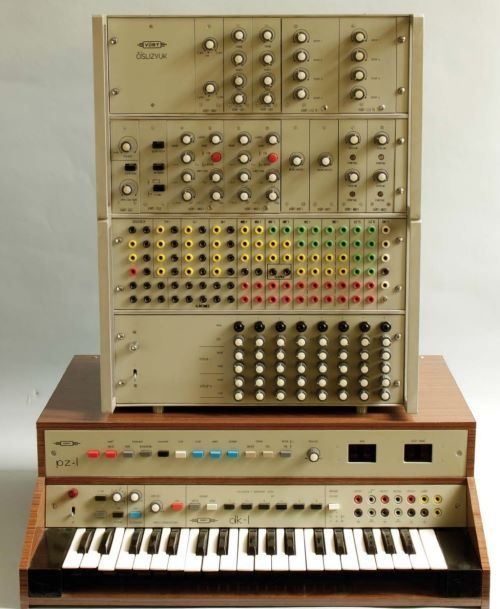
48	289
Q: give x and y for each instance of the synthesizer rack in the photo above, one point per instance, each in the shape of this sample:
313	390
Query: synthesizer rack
258	210
311	527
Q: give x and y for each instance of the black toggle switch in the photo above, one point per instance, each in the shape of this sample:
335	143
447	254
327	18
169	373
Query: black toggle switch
158	187
158	145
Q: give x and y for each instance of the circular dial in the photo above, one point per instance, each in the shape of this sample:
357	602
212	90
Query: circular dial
244	138
210	88
301	55
187	138
239	35
358	93
209	44
134	496
126	146
155	507
187	157
381	176
239	98
267	99
358	55
300	93
301	36
325	160
268	59
117	496
239	80
352	176
313	454
127	189
296	159
381	139
358	36
215	138
267	35
239	59
268	80
353	138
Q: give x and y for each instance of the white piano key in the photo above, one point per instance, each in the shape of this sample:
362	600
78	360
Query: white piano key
72	559
212	560
125	561
433	551
229	561
142	561
108	561
91	559
279	561
419	559
159	561
349	561
331	559
401	560
366	561
383	560
297	562
314	562
245	562
176	562
193	562
263	561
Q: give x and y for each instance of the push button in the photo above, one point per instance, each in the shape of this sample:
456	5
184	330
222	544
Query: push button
177	506
180	454
197	454
93	454
215	454
233	454
135	515
111	454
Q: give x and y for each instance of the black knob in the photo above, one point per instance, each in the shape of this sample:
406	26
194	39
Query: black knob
364	326
202	285
160	285
174	285
174	229
202	230
175	299
238	326
322	326
216	285
146	230
301	326
259	326
343	326
147	286
161	298
131	229
132	285
280	326
147	298
146	258
133	299
385	326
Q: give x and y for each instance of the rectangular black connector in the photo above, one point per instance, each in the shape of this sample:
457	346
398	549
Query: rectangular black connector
158	187
163	453
418	453
130	167
158	145
362	453
100	498
158	166
117	514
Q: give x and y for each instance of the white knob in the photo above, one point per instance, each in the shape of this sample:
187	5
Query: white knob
363	381
216	177
342	395
187	176
280	381
301	355
260	395
301	381
268	80
385	395
363	395
259	381
244	139
343	368
322	381
244	195
268	98
187	195
343	355
322	368
381	176
301	55
385	355
244	158
215	138
359	36
385	368
259	341
238	368
259	354
280	367
297	160
209	44
117	497
267	59
280	395
216	195
301	368
359	55
300	341
238	59
343	341
322	395
259	368
364	355
280	354
352	176
239	98
127	189
239	381
272	177
126	146
357	93
239	80
323	355
365	341
267	35
280	341
239	35
244	176
381	139
364	368
134	496
301	37
323	341
187	157
238	395
187	138
325	160
210	88
313	454
353	139
155	507
300	93
385	381
273	139
301	395
272	195
386	341
239	355
343	381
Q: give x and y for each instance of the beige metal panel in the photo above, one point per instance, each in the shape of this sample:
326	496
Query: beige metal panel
401	167
403	25
413	315
415	128
321	52
445	506
295	179
380	190
106	316
209	58
323	165
238	65
261	453
260	50
151	65
152	135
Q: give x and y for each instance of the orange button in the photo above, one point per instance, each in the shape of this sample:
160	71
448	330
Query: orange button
111	454
93	454
177	506
272	157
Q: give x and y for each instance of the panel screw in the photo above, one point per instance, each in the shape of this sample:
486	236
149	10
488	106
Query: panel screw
134	346
400	190
397	383
120	336
397	336
121	383
381	107
401	39
113	40
401	90
115	91
401	140
119	288
117	240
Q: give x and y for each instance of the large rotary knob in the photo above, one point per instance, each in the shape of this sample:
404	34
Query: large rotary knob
313	454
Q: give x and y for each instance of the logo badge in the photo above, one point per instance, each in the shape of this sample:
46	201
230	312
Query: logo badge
152	44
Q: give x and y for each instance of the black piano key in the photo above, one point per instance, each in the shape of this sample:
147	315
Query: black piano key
290	542
135	542
339	542
106	541
154	541
387	541
369	541
406	541
202	543
85	541
173	541
271	548
253	542
222	542
319	542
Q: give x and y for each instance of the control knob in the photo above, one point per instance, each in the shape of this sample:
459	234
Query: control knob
268	59
300	93
300	75
353	139
216	176
117	496
155	507
244	139
267	98
134	496
301	395
313	454
239	35
358	36
300	56
187	138
187	194
267	35
244	195
239	98
187	157
272	176
325	160
322	395
352	176
381	176
126	146
239	381
209	44
273	139
268	80
272	195
296	160
215	138
358	75
358	55
126	189
381	139
244	157
358	93
244	176
210	88
238	80
301	36
238	59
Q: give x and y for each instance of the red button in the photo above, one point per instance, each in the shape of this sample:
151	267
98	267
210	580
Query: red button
73	492
272	157
93	454
216	157
177	506
111	454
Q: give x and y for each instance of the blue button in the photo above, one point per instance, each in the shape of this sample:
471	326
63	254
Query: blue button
197	454
135	515
233	454
215	454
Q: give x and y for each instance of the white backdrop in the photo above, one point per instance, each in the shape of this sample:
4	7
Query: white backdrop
48	290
